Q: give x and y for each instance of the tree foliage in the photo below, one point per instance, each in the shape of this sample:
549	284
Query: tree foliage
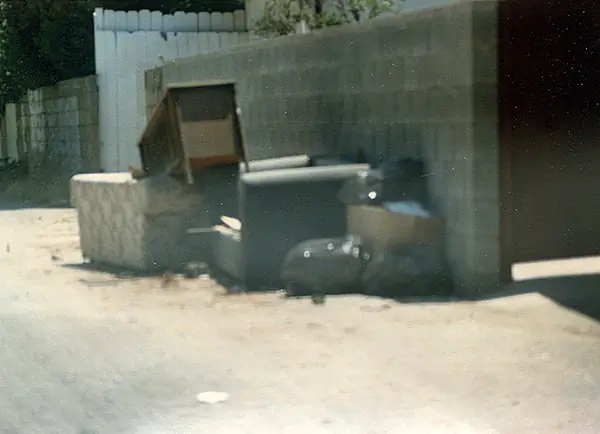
46	41
281	17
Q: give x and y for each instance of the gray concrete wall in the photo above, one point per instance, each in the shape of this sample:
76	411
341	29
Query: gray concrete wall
57	128
420	84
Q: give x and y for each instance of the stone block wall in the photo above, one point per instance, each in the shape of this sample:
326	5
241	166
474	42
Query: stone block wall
57	128
420	84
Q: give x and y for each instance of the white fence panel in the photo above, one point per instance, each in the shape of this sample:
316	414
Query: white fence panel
127	44
179	22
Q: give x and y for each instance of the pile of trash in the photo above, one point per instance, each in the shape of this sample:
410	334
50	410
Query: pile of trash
394	243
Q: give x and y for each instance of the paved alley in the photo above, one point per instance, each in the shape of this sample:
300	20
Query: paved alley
88	352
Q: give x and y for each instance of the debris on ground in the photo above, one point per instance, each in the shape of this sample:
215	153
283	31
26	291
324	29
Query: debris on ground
212	397
393	246
56	256
99	282
232	223
168	280
193	270
318	298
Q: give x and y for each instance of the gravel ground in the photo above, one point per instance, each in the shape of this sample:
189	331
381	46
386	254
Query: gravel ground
89	352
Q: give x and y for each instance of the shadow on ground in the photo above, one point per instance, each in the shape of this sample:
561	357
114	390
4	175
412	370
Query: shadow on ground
114	271
8	204
20	191
578	293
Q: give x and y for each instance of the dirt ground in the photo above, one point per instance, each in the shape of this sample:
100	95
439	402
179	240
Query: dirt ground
521	363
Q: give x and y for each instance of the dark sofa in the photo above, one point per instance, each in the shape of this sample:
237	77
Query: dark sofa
281	208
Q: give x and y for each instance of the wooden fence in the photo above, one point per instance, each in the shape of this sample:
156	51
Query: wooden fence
127	43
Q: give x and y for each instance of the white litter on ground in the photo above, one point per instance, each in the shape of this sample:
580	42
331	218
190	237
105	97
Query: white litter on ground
212	397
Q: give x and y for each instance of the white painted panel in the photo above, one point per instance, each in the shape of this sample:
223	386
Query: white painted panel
110	20
228	23
133	21
168	23
203	42
145	20
191	22
106	70
156	21
146	40
214	43
143	63
178	21
194	43
182	45
98	18
126	108
216	22
239	21
159	40
203	22
121	21
171	49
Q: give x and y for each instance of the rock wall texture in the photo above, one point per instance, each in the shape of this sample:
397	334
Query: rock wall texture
56	128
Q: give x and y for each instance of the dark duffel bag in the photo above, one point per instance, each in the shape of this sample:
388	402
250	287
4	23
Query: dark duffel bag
324	266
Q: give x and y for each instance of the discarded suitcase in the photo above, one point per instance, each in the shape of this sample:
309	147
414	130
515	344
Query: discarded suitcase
324	266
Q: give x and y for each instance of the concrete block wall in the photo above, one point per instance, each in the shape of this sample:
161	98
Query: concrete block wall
57	128
421	84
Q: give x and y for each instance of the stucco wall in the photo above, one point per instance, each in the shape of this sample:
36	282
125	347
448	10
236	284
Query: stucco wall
419	84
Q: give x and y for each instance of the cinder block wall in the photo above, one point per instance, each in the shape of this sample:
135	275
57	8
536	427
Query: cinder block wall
420	84
57	128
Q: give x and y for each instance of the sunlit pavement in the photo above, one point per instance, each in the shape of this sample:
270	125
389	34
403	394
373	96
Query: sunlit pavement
81	353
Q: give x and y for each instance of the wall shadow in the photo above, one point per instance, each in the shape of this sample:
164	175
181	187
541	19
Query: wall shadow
16	205
112	270
579	293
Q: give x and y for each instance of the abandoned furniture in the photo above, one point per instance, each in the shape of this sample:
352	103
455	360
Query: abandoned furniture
290	162
190	151
278	209
136	224
195	126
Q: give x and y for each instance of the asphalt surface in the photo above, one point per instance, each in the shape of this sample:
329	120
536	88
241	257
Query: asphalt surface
86	352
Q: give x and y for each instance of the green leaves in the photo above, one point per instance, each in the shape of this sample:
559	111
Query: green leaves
281	17
46	41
